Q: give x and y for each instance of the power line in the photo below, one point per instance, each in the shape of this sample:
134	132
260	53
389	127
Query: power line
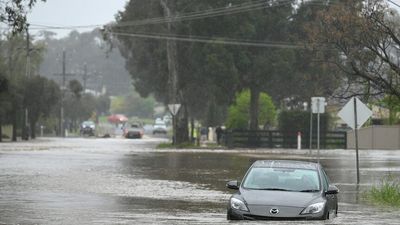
228	10
183	17
394	3
204	14
211	40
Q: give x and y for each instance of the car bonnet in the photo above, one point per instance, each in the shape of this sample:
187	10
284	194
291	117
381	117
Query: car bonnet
278	198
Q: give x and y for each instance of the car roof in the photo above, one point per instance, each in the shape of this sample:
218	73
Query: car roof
286	164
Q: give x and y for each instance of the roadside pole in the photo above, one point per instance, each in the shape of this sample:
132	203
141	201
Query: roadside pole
311	129
174	109
173	130
318	119
356	140
355	113
317	106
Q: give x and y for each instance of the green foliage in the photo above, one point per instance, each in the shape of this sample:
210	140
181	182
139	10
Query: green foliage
13	12
238	114
133	105
209	74
295	121
40	97
184	145
393	104
387	193
76	88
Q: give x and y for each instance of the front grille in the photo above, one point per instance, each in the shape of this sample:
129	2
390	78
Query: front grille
255	217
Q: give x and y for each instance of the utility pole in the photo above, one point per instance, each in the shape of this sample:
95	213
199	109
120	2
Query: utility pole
85	77
172	65
63	88
62	129
25	130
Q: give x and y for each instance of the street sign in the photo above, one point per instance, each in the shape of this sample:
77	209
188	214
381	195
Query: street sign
318	104
355	113
347	113
174	108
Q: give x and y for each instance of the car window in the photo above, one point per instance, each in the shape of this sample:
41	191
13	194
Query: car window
325	180
282	178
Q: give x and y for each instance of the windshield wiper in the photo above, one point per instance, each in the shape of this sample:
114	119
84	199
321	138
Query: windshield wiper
310	190
274	189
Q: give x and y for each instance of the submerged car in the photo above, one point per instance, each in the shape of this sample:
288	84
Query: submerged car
88	128
133	130
283	190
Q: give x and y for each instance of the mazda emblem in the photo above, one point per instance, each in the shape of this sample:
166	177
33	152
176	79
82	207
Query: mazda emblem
274	211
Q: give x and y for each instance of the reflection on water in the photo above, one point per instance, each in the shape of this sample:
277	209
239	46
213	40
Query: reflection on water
118	181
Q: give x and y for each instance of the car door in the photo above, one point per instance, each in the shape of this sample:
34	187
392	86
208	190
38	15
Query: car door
331	198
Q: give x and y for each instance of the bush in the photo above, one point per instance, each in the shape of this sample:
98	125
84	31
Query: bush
387	193
239	116
294	121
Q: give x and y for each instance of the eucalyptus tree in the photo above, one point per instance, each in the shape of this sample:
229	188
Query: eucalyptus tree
13	13
41	95
366	35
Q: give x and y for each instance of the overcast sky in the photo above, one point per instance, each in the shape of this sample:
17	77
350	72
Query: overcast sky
74	13
82	12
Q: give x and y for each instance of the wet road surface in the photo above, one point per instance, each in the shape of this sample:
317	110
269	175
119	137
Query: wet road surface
120	181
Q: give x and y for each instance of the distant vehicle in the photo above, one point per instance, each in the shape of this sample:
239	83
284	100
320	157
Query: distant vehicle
134	130
88	128
159	127
283	190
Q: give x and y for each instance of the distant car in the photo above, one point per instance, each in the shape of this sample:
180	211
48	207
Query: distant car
134	130
159	127
283	190
88	128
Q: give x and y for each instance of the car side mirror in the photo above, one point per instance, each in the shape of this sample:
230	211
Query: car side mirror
332	190
233	184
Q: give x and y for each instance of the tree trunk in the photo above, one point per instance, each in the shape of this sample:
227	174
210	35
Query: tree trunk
192	129
171	55
1	132
182	132
254	108
33	130
14	125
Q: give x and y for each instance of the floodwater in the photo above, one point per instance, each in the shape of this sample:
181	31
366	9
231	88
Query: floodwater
120	181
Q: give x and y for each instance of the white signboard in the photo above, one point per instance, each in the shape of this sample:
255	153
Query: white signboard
347	113
318	104
174	108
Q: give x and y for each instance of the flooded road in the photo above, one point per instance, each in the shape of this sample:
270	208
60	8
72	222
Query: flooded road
120	181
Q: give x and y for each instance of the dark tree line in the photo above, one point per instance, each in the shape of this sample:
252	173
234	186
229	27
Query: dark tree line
209	75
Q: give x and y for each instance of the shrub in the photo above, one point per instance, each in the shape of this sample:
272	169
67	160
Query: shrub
239	116
387	193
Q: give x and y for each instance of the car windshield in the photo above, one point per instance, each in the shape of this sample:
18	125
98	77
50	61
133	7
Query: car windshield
88	123
286	179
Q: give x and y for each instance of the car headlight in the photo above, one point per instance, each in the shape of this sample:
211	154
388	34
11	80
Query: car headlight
92	126
238	204
314	208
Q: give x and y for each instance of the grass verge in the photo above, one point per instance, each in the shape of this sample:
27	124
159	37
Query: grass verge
180	146
386	193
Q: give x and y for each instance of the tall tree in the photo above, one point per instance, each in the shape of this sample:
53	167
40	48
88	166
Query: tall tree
40	96
367	38
13	13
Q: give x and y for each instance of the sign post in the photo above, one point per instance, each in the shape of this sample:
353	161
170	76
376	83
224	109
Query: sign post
174	109
355	114
318	107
